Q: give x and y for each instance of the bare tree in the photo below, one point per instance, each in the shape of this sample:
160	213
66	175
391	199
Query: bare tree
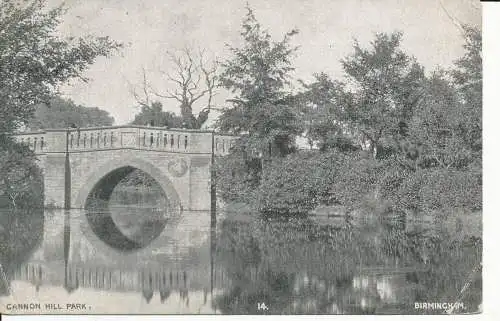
143	98
191	80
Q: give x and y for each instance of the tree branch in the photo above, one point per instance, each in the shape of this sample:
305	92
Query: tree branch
454	20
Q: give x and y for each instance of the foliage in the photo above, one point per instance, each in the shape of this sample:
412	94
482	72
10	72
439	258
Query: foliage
436	128
468	78
238	176
296	184
437	190
20	178
446	130
468	71
155	116
387	87
423	135
257	75
34	60
356	176
62	113
324	105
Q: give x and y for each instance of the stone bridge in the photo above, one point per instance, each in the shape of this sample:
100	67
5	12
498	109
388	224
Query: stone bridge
79	162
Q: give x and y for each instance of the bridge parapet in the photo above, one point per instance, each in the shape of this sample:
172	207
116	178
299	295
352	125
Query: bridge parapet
223	144
127	137
36	141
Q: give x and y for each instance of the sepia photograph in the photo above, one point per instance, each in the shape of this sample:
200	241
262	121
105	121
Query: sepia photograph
300	157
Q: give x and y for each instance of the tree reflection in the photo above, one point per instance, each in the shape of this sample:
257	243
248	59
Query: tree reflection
22	233
297	268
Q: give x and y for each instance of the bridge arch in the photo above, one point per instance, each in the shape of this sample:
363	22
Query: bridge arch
114	166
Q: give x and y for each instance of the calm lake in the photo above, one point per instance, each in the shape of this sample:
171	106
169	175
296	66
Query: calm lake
128	260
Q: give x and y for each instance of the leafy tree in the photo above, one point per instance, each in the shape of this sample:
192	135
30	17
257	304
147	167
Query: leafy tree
258	75
155	116
468	71
324	105
63	113
446	130
468	78
386	85
435	129
35	60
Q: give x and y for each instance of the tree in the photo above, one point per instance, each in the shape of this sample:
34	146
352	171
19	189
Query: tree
324	105
193	78
155	116
446	127
387	86
35	60
258	74
435	127
467	76
63	113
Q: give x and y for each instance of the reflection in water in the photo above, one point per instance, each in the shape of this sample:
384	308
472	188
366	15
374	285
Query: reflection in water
292	267
168	275
128	209
125	228
378	268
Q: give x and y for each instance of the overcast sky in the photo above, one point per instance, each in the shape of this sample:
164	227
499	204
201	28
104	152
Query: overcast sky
326	31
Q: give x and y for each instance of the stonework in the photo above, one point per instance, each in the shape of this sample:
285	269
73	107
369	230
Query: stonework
75	160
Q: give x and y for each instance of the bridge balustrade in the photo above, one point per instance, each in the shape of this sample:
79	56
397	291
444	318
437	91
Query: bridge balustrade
133	137
223	144
119	137
34	141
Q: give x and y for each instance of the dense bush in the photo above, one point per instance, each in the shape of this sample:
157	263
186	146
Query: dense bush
238	177
300	182
450	189
297	183
21	181
435	189
356	176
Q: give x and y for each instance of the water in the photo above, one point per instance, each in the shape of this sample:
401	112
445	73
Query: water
167	263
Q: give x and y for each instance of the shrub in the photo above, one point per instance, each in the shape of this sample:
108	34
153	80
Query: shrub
451	189
429	190
296	184
355	177
21	180
238	178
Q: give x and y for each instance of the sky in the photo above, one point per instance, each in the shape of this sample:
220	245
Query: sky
327	28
